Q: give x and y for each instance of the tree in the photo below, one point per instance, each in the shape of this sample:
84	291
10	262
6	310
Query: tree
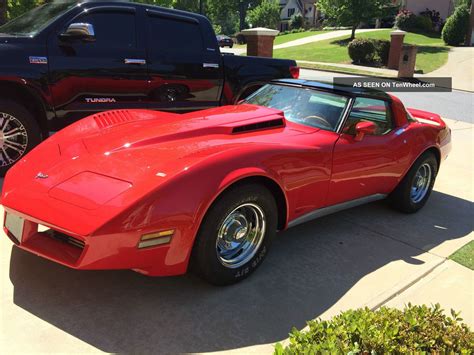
3	11
353	12
296	21
267	14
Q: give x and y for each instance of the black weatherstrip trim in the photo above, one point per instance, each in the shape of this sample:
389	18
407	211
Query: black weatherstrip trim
171	16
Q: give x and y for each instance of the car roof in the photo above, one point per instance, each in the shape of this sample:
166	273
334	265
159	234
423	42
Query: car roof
336	88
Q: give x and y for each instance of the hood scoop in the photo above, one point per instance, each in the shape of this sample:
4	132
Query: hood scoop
257	126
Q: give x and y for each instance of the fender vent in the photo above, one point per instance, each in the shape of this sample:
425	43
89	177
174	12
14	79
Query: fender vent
111	118
259	126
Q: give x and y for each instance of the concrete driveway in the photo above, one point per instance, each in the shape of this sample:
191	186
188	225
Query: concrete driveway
362	256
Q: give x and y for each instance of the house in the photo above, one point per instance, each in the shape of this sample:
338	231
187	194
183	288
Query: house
305	8
444	7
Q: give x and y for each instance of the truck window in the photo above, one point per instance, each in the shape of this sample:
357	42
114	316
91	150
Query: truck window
173	36
112	29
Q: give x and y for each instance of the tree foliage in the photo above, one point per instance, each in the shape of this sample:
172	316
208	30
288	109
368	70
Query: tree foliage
353	12
267	14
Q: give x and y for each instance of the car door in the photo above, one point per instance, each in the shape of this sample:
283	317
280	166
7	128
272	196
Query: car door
185	75
106	72
370	166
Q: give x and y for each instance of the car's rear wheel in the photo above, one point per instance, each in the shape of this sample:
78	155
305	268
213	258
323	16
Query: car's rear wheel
19	133
235	234
415	188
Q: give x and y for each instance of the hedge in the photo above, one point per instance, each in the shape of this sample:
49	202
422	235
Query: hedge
416	329
456	27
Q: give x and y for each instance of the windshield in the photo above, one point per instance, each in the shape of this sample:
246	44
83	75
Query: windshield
301	105
33	21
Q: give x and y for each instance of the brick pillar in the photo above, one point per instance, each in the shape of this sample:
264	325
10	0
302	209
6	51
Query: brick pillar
396	45
406	67
260	41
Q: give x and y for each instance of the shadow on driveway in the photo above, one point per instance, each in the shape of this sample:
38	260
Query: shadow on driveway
309	268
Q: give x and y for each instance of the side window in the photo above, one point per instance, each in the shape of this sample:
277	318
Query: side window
112	29
372	110
173	36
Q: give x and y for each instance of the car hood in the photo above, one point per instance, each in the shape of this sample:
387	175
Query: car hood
117	157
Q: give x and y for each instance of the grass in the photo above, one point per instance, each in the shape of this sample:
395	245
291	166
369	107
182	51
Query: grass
432	53
465	255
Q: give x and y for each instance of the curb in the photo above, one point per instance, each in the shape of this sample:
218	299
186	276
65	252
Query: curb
401	287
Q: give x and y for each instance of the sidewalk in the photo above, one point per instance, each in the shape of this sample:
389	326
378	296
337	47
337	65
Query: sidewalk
322	37
460	67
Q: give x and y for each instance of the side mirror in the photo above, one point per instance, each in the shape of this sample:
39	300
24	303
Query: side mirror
82	31
364	128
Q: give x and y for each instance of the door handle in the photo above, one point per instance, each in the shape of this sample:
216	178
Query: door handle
134	61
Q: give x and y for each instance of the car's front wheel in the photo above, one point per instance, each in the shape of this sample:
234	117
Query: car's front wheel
235	234
19	133
415	188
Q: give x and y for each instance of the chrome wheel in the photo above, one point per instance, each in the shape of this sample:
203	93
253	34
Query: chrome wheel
421	183
13	139
240	235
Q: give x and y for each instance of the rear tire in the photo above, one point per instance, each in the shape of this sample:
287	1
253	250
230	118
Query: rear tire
235	235
414	190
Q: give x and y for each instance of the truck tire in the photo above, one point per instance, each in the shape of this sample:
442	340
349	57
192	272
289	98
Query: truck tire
235	235
414	190
19	133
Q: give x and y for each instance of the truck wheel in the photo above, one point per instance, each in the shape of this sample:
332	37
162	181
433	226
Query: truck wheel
415	188
19	133
235	235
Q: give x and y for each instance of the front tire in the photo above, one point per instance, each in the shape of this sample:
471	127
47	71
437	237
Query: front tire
19	133
235	235
414	190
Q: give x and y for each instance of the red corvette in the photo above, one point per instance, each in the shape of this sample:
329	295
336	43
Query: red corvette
159	192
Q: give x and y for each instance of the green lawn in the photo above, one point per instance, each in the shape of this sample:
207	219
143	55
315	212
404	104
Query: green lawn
294	36
465	255
432	53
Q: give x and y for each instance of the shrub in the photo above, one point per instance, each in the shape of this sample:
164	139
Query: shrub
361	50
405	20
434	15
423	23
455	29
296	21
382	49
416	329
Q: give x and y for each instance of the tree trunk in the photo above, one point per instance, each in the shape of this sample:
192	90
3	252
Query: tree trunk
471	26
242	14
353	35
3	11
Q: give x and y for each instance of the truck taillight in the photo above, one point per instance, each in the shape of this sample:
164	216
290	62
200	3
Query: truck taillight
295	72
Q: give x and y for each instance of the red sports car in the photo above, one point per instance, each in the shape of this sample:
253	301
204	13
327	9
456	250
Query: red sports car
158	192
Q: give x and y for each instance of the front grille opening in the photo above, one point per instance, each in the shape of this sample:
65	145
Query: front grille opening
260	125
62	237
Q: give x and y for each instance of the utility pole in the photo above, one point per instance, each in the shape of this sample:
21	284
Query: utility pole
200	6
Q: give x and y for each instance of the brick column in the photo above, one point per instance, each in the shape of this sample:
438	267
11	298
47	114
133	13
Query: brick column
396	45
260	41
406	66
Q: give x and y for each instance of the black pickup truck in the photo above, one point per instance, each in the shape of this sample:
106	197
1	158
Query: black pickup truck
65	60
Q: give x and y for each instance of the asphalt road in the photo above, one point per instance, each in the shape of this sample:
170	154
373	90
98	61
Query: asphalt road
455	105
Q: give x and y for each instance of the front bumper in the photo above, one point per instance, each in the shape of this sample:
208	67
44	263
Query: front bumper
98	252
